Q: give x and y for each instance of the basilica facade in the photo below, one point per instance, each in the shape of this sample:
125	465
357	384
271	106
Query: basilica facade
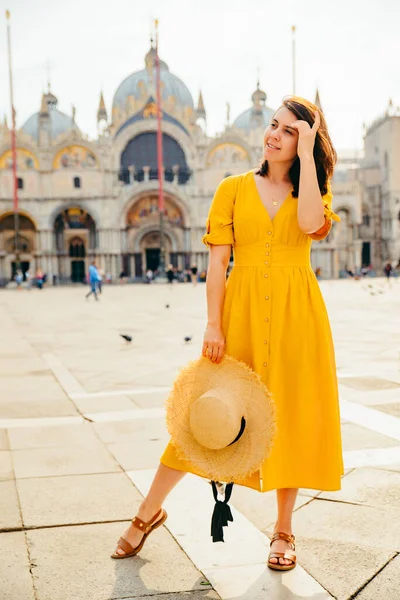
82	199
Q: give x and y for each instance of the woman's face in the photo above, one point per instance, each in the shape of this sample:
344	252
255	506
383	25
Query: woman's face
280	140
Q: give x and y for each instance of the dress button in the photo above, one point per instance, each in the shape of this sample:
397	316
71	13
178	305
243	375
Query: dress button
266	262
265	364
267	245
267	297
265	341
269	232
265	275
266	320
267	254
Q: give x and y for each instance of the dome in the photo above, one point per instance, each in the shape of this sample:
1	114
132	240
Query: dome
141	84
259	115
59	121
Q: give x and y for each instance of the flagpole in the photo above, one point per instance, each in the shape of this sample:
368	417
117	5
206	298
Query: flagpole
160	169
13	147
294	58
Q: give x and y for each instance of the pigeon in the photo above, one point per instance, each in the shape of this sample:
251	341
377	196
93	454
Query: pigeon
128	338
187	338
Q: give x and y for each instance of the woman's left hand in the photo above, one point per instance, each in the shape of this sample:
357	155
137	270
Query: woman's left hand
306	141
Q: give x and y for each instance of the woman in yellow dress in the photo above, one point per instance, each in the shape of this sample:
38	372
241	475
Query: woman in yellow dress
270	314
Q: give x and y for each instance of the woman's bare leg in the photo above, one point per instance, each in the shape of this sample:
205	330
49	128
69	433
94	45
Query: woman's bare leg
286	499
163	483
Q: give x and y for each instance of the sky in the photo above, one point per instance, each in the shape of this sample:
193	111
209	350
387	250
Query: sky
349	49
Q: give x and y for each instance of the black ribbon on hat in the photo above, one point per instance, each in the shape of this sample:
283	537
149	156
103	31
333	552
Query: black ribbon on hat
222	512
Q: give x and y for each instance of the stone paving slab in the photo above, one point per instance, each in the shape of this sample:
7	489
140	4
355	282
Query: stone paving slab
331	521
77	499
64	460
386	584
149	400
6	468
10	517
373	487
128	431
47	437
258	582
3	440
35	406
11	367
355	437
15	578
340	567
391	409
144	454
106	403
73	563
196	595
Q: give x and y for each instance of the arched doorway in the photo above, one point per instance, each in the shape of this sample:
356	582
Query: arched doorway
75	240
77	254
143	235
12	245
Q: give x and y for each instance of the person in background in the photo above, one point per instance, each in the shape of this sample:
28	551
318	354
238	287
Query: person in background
39	279
149	275
194	274
170	274
100	281
388	270
93	280
18	278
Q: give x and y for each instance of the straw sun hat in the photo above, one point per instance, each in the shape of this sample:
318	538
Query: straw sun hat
221	419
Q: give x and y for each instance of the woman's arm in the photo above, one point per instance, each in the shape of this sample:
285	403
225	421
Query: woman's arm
214	341
310	209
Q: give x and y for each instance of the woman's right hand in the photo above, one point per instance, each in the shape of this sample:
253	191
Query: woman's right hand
213	343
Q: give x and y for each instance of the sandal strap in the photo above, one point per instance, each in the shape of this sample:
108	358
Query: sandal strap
142	525
125	545
288	555
287	537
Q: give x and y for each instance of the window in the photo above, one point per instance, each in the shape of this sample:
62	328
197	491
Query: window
77	182
366	219
20	183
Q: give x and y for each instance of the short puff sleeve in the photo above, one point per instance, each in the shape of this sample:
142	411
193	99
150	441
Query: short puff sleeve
219	224
323	232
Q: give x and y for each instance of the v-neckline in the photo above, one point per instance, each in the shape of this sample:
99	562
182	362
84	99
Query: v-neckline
284	201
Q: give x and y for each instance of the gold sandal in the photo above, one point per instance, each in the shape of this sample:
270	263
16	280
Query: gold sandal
288	555
146	528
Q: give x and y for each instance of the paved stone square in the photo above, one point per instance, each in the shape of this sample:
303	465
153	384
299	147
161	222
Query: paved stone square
82	429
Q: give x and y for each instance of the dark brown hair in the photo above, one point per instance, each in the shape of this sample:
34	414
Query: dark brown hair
324	153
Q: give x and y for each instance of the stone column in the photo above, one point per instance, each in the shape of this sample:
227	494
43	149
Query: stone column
131	170
175	171
146	171
132	264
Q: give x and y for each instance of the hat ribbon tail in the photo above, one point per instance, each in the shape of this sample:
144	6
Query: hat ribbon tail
222	513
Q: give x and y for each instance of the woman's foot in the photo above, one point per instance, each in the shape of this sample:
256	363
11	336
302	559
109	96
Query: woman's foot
133	535
283	546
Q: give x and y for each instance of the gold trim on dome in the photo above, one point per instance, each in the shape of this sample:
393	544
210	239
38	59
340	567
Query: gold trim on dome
26	160
150	110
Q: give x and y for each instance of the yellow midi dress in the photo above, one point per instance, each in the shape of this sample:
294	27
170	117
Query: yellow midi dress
275	320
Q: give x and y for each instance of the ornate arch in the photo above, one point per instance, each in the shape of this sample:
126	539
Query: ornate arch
170	129
22	213
26	159
151	188
146	230
75	155
73	204
234	140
